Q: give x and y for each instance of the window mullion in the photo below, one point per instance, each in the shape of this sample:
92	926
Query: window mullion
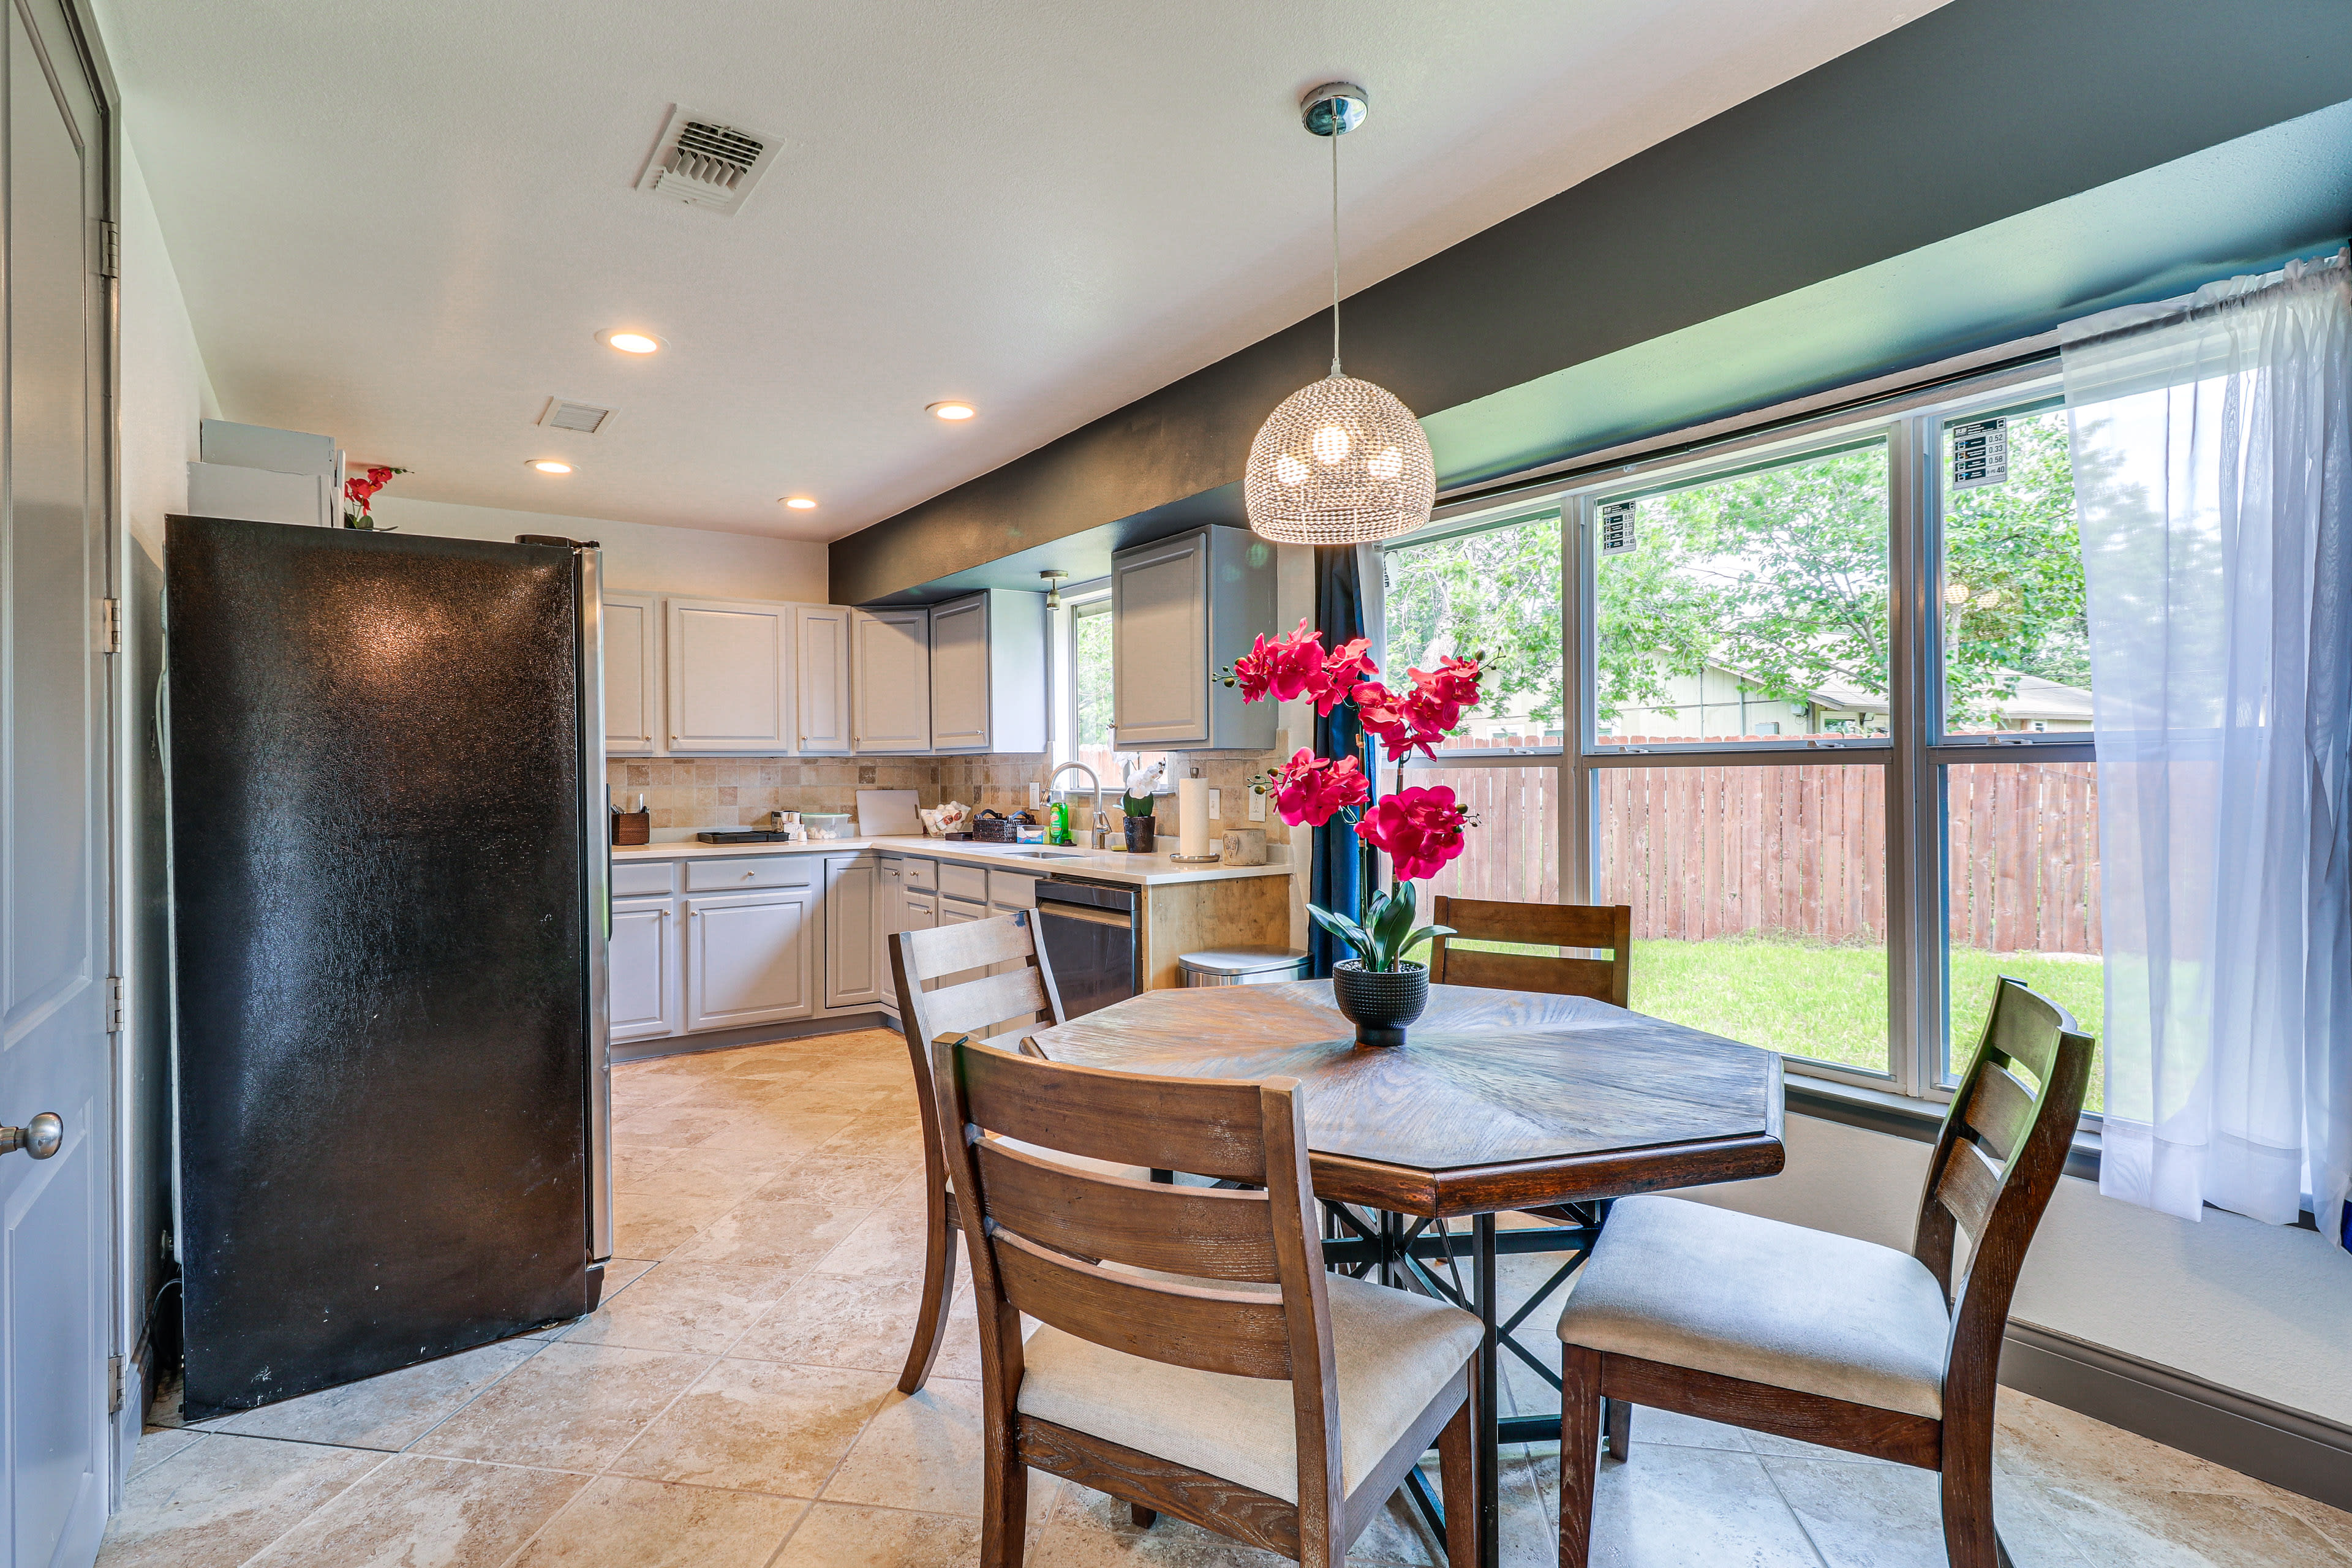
1914	885
1578	875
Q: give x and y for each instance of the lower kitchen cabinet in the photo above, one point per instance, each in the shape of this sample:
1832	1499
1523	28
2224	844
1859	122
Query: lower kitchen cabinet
855	972
747	959
643	990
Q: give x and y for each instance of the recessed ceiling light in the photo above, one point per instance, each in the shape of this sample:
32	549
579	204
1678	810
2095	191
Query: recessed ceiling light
801	504
953	410
629	341
550	464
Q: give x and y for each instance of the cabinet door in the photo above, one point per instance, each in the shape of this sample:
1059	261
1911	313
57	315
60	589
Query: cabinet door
853	972
822	672
729	676
890	680
1160	644
956	912
960	675
642	972
748	959
633	691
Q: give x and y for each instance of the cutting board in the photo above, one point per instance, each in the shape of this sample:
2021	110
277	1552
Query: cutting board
888	813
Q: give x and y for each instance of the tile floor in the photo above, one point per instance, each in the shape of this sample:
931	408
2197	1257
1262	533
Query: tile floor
731	1406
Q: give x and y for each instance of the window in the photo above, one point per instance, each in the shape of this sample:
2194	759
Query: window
1082	687
1815	702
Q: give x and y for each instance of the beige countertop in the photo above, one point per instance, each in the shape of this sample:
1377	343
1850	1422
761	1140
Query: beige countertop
1104	866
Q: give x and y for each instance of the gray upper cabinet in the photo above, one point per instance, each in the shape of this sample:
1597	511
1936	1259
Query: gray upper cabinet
633	693
1181	608
823	669
730	668
890	680
988	672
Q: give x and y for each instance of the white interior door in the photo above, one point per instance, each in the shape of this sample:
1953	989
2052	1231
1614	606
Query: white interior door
54	826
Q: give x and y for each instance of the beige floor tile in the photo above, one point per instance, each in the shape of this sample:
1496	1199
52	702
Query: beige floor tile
922	1451
1695	1507
570	1407
618	1522
886	1244
867	1324
1092	1531
666	1127
1865	1515
642	1229
758	1427
388	1412
701	1172
412	1512
833	1536
157	1443
780	1234
2186	1530
220	1500
845	1177
702	1308
770	1139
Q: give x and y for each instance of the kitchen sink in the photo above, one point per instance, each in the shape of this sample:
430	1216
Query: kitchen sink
1043	855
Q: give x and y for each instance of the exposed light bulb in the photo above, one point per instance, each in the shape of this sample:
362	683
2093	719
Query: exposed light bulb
953	410
1331	446
801	504
625	340
550	464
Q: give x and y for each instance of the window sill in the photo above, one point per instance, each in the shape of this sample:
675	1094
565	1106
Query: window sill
1900	1116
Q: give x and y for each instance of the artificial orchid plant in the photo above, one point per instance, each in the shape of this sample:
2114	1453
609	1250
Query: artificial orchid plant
1420	829
359	496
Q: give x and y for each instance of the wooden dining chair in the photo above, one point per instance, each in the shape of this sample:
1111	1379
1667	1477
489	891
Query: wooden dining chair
1587	926
1823	1338
955	960
1192	1356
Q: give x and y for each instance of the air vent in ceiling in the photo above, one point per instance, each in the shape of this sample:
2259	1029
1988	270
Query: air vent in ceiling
585	417
705	161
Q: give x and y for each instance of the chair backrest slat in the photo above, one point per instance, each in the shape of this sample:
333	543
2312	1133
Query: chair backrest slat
974	944
1242	1334
2000	1111
1015	994
1216	1233
1969	1187
1586	926
1206	1126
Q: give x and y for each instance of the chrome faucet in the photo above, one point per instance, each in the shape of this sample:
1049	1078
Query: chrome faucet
1102	823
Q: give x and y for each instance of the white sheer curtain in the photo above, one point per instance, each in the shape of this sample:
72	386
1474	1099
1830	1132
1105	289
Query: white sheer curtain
2212	441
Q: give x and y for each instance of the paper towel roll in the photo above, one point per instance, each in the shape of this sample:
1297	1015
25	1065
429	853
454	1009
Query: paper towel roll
1192	816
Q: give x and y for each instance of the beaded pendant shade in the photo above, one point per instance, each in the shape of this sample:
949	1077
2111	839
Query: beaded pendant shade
1340	462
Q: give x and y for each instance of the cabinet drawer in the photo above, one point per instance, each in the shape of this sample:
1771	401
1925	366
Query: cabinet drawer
1014	889
635	879
767	871
963	882
922	875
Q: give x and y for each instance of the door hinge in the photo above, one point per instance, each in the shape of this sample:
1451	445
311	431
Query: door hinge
114	1004
114	1385
111	625
109	248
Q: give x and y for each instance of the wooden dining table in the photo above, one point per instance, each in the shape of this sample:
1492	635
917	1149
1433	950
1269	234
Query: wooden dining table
1498	1101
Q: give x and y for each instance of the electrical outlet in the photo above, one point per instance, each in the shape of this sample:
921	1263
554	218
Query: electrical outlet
1257	806
1037	793
1216	804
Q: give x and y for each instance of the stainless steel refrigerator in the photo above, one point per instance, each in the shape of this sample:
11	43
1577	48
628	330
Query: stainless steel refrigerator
388	844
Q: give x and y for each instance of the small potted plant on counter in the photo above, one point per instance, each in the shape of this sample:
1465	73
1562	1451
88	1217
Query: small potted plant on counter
1135	802
1420	828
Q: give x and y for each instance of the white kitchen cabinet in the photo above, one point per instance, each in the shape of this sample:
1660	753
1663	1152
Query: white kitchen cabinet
748	958
905	910
1182	608
642	972
956	912
633	694
820	678
729	666
890	680
855	973
988	672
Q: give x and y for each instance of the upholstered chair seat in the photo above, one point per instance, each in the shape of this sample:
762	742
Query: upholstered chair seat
1687	1284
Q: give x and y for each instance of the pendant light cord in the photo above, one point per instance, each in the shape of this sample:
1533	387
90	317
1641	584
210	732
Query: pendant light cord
1335	127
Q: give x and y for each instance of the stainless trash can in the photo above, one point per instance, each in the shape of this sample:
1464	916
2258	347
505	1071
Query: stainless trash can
1243	965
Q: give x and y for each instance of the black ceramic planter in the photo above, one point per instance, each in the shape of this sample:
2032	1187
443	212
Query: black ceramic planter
1138	834
1380	1003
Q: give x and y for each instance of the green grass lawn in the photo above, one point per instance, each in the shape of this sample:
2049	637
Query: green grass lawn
1829	1003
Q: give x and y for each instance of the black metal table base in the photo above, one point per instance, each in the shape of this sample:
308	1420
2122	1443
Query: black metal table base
1399	1250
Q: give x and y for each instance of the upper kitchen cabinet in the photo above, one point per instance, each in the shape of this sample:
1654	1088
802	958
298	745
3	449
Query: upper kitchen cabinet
890	680
632	624
988	672
822	661
1180	609
729	676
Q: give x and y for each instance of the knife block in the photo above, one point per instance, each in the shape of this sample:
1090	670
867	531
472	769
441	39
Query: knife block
633	826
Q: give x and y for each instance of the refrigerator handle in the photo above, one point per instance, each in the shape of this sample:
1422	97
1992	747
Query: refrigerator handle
597	864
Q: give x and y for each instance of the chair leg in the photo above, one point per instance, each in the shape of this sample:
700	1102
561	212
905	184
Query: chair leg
1579	1451
1458	1479
939	1290
1004	1507
1617	1420
1970	1539
1142	1518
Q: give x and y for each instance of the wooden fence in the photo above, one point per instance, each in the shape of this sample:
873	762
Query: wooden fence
1794	850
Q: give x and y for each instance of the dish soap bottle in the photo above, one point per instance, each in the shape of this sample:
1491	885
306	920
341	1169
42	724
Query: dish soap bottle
1060	833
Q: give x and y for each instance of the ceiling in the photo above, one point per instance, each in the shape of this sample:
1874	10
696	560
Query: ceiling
403	226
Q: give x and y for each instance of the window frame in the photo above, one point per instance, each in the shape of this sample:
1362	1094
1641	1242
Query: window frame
1910	419
1062	685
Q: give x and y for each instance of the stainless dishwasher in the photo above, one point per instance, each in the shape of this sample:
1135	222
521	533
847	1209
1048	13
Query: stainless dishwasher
1089	930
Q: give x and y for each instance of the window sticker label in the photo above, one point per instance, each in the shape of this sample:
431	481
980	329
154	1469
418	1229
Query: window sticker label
1617	535
1979	454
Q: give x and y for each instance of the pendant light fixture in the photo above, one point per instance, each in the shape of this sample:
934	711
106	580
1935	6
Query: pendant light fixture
1340	462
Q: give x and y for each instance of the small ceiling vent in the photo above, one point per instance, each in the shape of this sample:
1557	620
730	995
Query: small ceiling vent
706	163
584	417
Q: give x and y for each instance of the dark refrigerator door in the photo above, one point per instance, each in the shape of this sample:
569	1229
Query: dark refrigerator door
379	949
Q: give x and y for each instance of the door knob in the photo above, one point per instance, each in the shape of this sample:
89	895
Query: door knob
40	1139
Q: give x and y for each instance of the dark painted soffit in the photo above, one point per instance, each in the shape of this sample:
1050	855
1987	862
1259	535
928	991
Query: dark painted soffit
1980	111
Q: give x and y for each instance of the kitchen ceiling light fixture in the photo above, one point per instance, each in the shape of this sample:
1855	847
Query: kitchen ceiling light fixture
951	411
550	465
630	342
1340	462
1052	587
801	504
